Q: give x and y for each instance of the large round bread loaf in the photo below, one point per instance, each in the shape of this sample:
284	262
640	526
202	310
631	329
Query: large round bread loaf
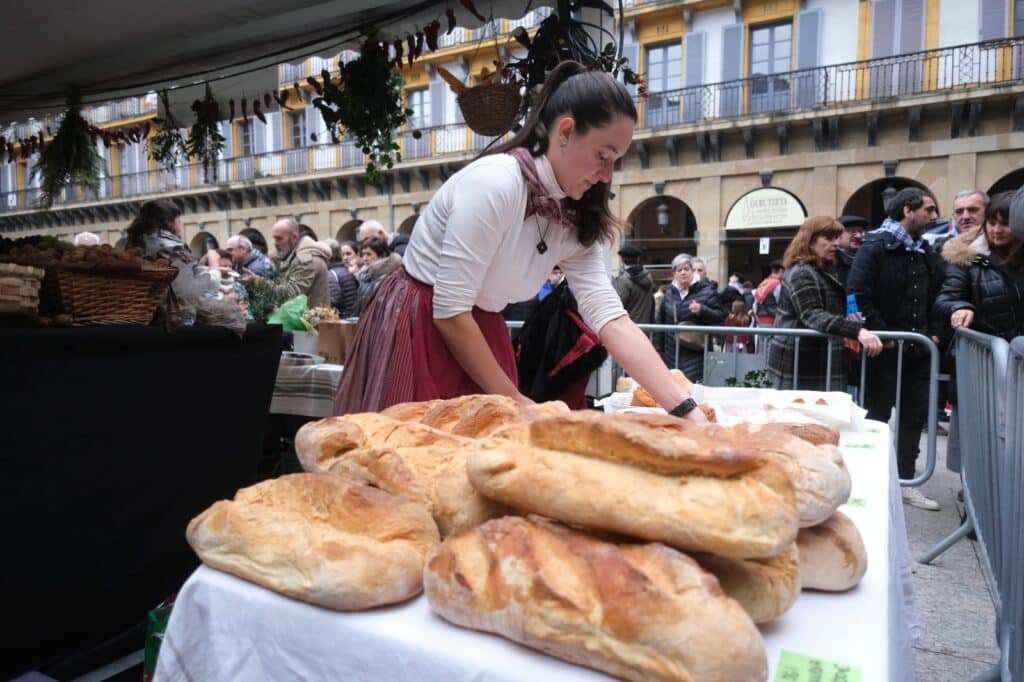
322	539
639	612
765	588
832	555
606	472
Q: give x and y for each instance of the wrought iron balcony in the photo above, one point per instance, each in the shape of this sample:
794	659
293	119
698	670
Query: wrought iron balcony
961	68
875	80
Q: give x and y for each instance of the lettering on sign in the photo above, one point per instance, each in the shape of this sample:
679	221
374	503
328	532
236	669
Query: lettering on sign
765	207
800	668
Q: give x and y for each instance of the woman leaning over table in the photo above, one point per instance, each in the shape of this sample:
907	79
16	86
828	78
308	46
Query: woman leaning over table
492	232
812	298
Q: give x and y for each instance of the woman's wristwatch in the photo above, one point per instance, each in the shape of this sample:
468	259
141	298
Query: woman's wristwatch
684	408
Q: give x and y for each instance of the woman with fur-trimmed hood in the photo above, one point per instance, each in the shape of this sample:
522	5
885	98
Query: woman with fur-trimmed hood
984	286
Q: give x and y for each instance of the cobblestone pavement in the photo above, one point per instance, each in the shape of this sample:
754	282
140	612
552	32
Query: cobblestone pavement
951	598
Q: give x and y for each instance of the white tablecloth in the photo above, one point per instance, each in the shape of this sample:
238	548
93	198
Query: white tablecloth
224	628
305	386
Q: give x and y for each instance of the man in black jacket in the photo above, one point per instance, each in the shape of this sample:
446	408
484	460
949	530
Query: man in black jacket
635	286
896	276
849	243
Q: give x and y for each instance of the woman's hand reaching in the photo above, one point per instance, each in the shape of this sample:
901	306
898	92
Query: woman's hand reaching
871	343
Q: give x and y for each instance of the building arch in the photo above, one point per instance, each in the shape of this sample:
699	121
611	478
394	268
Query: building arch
307	231
1010	182
203	242
408	224
663	226
348	231
869	200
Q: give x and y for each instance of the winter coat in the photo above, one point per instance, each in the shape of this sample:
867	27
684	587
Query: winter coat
674	309
635	287
304	271
371	276
398	243
257	263
766	300
343	288
976	280
879	279
810	299
844	261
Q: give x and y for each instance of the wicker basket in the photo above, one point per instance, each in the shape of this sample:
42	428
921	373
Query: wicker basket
109	297
490	108
19	289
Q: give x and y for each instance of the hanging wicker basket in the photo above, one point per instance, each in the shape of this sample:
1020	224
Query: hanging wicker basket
490	108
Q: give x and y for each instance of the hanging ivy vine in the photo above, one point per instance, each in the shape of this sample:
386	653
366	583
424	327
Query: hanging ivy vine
70	157
365	105
205	142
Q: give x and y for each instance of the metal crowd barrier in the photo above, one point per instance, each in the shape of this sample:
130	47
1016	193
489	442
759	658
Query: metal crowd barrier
901	339
990	382
1010	571
981	377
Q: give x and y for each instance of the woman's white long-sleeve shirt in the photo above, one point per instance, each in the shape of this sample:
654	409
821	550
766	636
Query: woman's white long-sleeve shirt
474	246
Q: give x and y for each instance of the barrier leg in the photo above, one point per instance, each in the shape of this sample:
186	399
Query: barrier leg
948	542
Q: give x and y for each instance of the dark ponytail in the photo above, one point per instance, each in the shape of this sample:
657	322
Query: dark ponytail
592	98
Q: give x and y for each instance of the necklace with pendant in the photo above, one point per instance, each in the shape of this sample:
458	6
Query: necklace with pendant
542	245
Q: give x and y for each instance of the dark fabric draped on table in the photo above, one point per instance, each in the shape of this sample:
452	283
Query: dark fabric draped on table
113	439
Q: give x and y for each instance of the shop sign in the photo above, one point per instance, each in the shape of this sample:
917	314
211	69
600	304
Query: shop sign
765	208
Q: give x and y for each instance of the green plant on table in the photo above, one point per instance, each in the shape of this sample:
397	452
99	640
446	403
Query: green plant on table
757	378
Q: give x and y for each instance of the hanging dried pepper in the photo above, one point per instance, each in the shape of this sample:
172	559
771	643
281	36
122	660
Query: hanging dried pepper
231	111
258	112
468	4
298	90
399	51
316	85
450	14
419	43
326	75
41	142
267	99
430	31
145	131
245	109
10	152
282	99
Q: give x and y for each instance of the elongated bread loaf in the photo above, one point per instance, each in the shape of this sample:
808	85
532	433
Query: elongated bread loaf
765	588
639	612
815	434
832	555
819	476
473	416
610	473
418	462
322	539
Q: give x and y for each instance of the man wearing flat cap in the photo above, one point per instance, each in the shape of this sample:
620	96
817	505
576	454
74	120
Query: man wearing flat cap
851	239
635	285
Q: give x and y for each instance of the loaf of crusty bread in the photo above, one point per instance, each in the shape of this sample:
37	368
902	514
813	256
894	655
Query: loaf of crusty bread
815	434
473	416
418	462
609	472
638	612
832	555
642	398
765	588
819	476
322	539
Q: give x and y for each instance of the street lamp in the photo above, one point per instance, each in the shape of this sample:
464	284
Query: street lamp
663	217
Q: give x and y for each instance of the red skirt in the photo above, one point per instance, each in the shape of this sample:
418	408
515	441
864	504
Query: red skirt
398	354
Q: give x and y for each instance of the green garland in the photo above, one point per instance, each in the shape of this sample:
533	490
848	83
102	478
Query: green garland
204	139
70	156
167	147
367	103
263	300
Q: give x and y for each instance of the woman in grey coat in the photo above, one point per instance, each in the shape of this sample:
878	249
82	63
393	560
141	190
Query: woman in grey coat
812	298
